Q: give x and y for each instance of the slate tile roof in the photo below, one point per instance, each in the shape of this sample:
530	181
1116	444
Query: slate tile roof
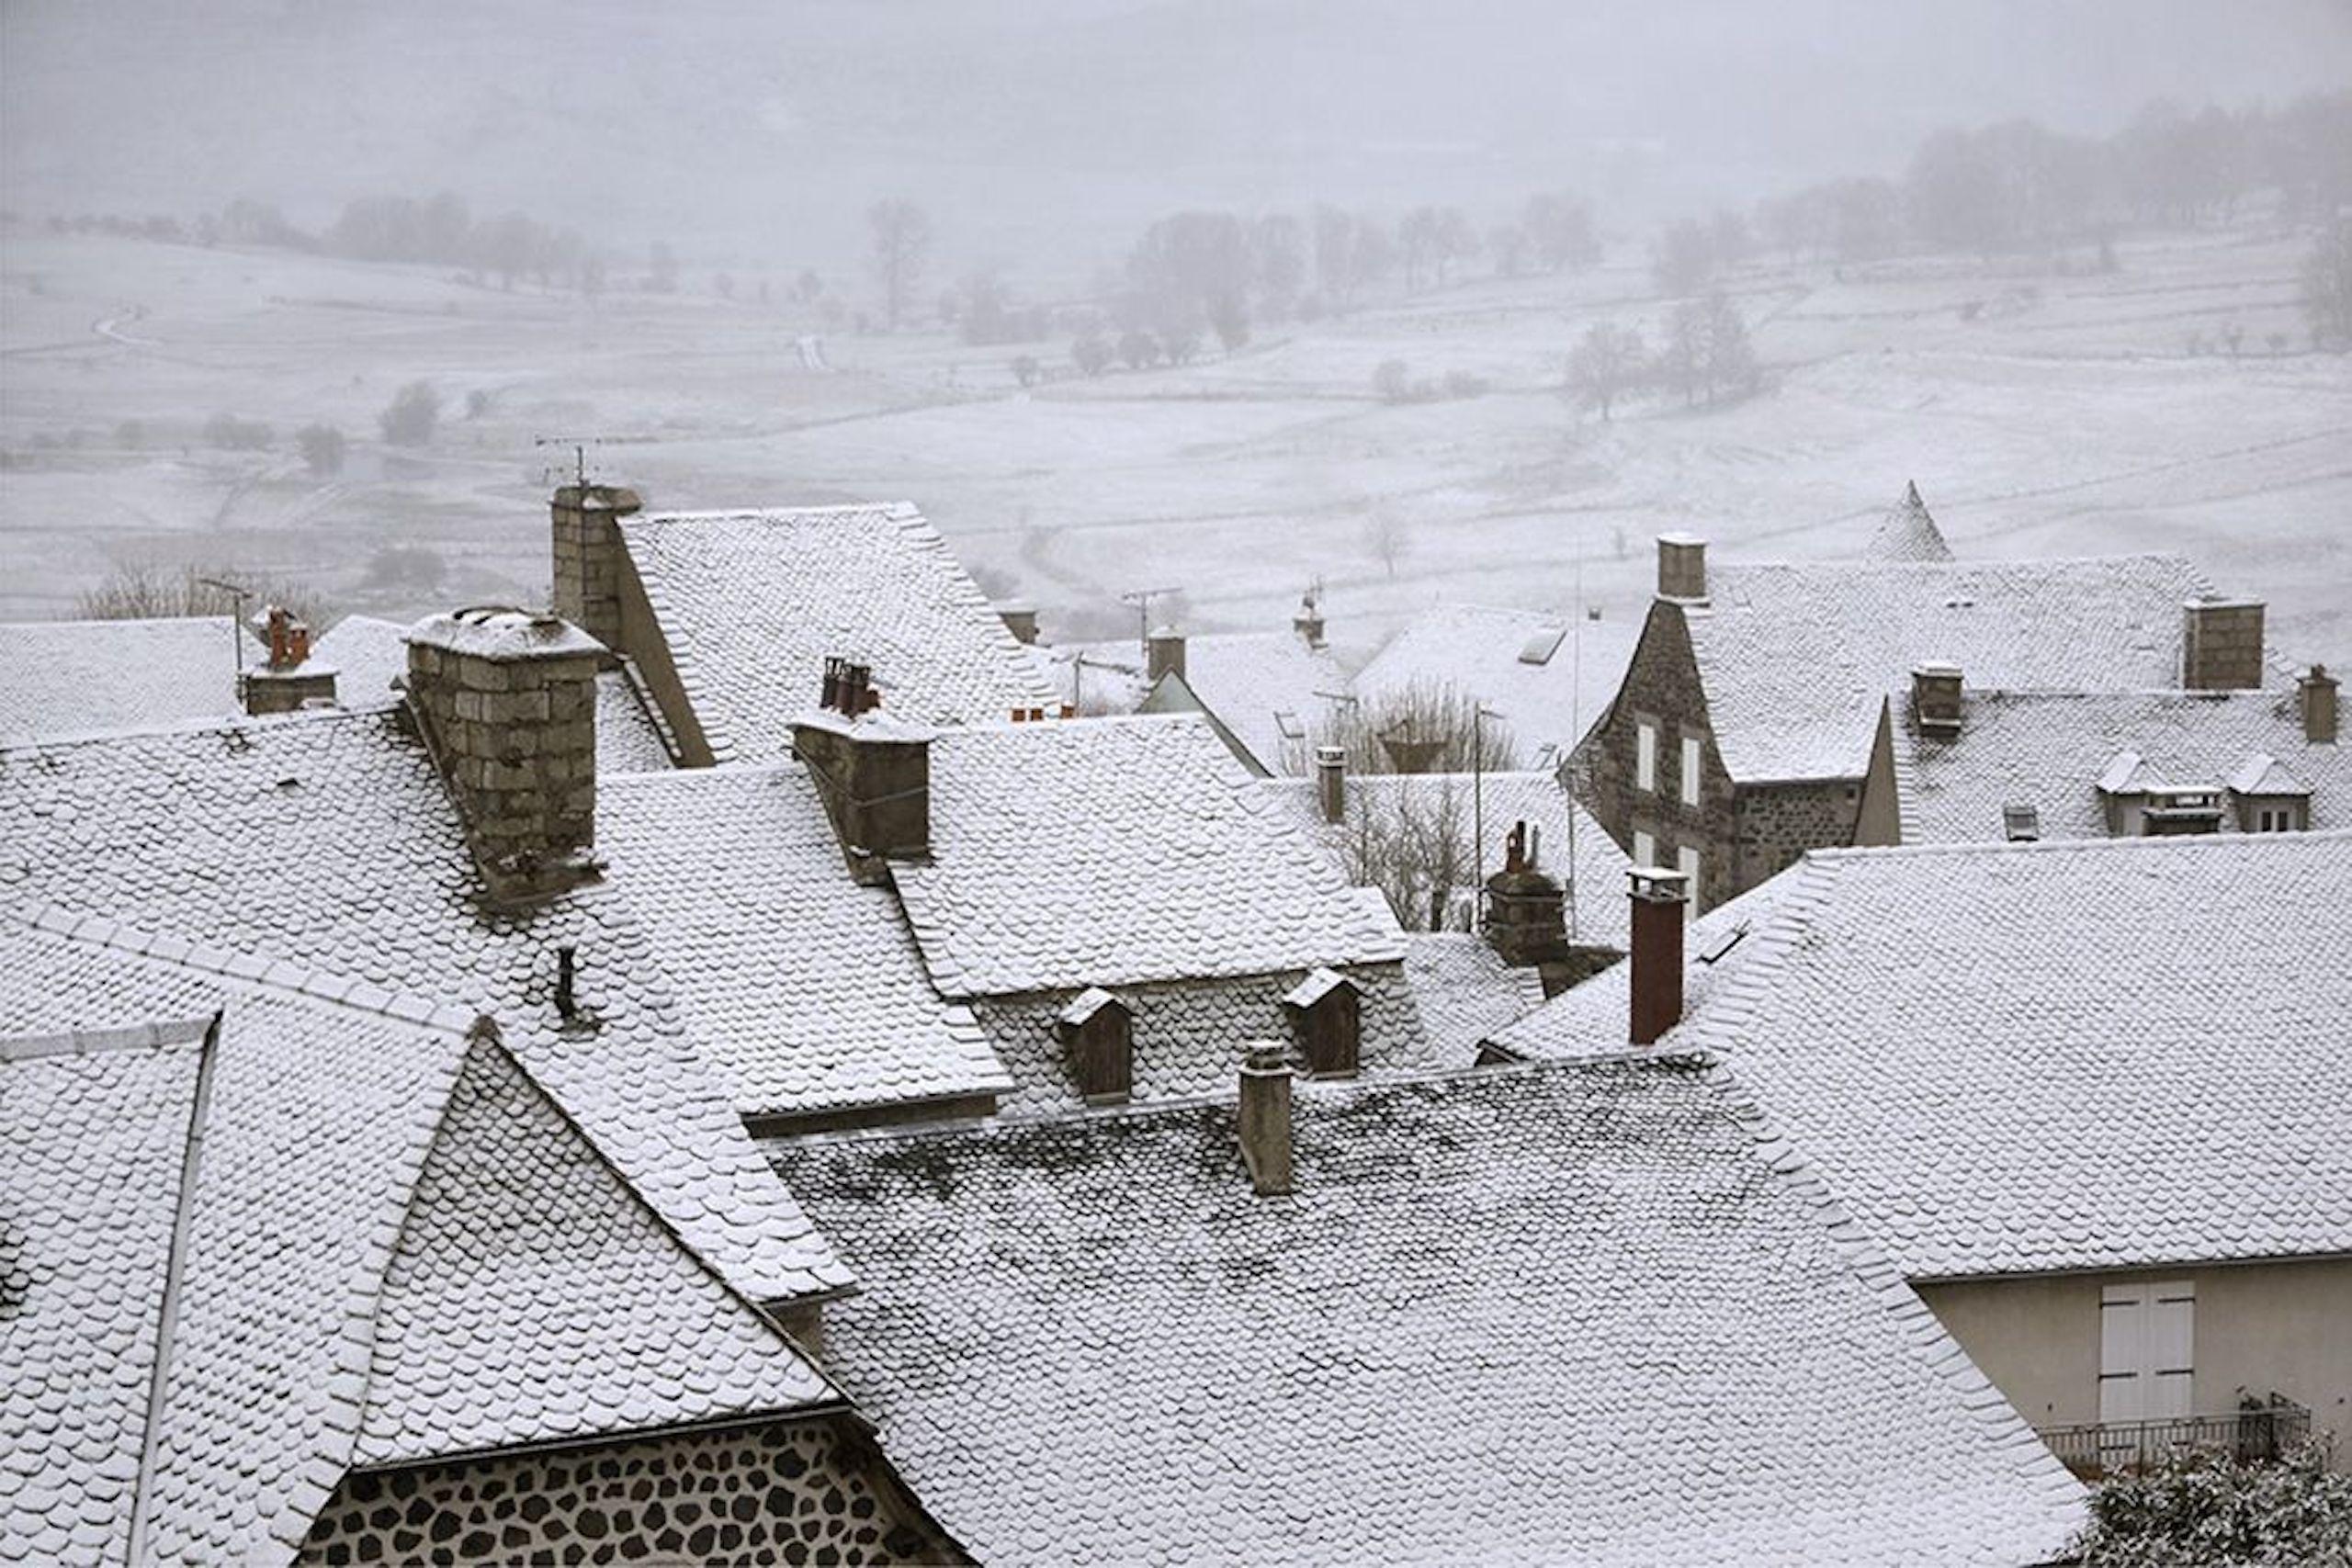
1188	1037
2039	1057
751	604
388	1244
68	678
1906	533
2050	749
1465	992
1586	1315
1114	850
326	842
1549	674
1386	808
804	990
1797	659
1273	692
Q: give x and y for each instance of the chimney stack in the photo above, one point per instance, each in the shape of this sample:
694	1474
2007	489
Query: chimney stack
873	771
506	702
2316	694
288	678
1683	568
2220	645
1331	782
1660	899
1020	618
1935	699
1527	921
1264	1118
1163	654
1309	620
587	547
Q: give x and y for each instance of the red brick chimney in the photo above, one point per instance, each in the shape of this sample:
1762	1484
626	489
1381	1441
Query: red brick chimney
287	680
1660	898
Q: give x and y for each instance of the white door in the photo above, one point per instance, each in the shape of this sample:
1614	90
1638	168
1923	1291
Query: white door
2146	1351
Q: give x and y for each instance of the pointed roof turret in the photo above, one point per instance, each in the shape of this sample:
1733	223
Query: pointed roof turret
1907	532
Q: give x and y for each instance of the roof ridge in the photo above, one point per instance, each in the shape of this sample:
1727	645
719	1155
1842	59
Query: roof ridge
221	723
1951	1366
2182	843
1716	1028
279	977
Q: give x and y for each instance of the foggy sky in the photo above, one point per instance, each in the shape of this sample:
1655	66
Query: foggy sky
1044	131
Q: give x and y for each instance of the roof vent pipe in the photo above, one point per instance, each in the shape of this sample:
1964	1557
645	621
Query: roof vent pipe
1331	782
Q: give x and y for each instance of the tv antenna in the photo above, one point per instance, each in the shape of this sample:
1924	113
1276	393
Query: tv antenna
1141	599
578	445
238	593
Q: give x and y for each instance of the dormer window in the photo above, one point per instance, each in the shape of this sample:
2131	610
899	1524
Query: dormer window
1325	1014
2173	811
2269	798
1097	1032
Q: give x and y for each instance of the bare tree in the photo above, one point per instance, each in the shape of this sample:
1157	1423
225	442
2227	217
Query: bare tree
149	590
902	246
1425	727
1606	363
1384	535
1413	844
2327	288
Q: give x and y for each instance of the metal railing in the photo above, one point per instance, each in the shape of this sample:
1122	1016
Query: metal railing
2257	1429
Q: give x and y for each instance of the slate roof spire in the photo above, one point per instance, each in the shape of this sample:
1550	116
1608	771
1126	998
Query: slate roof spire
1907	532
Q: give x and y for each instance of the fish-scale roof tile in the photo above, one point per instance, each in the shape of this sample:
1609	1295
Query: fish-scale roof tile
2013	1058
1464	991
810	995
1530	1315
1547	675
326	840
60	679
751	604
1113	850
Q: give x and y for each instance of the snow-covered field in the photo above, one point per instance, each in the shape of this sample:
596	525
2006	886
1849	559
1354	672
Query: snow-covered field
2062	414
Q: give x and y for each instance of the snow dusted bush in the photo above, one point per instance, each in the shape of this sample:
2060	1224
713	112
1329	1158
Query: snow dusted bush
2204	1510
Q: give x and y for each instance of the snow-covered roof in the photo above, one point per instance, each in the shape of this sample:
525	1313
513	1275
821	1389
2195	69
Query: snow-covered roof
1906	533
1384	808
326	840
1464	990
334	1233
804	988
1316	985
1797	660
751	604
1105	852
1525	1314
69	678
2017	1058
1548	675
1272	691
2056	750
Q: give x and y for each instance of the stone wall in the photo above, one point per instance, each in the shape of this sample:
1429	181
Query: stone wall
587	550
1779	822
786	1492
2221	646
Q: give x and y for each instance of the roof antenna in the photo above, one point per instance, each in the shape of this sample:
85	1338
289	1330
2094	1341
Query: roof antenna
237	597
578	445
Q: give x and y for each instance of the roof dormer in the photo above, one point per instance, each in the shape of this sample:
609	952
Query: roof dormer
1097	1032
1326	1012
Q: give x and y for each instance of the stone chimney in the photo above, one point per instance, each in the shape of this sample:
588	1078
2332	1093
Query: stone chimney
506	700
1309	620
1526	910
1683	568
1163	654
2220	645
1331	783
1661	898
1020	618
1264	1118
1935	699
289	678
873	771
2315	694
587	540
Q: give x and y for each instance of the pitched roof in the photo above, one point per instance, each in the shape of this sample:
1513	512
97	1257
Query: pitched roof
1548	674
2033	1057
804	988
363	1235
751	604
1464	990
1119	849
1271	691
67	678
1797	660
1906	533
1388	809
326	842
2053	750
1521	1315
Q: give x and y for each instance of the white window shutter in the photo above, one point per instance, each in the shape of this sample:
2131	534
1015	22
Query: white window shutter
2122	1352
1644	755
1689	770
2172	1346
1686	860
1645	848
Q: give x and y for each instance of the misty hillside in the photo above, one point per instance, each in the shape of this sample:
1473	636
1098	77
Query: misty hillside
1059	125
